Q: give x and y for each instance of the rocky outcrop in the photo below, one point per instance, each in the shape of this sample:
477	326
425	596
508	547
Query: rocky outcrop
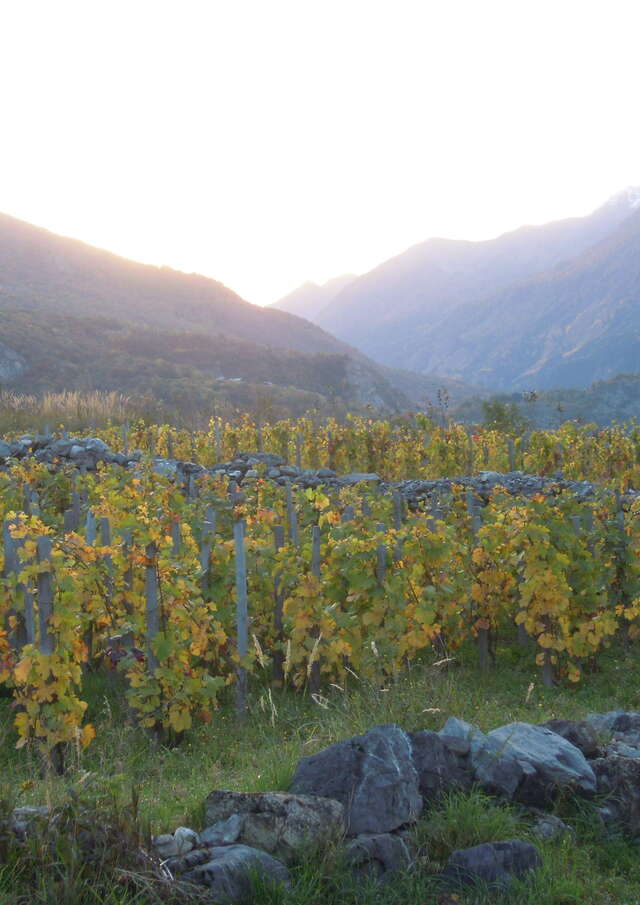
361	797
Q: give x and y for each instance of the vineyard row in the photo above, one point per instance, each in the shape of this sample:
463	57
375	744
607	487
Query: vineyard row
185	596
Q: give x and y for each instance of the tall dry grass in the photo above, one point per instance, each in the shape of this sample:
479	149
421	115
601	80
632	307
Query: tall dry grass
73	409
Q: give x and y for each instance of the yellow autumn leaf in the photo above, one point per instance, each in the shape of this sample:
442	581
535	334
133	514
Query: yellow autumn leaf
87	735
22	670
545	640
179	720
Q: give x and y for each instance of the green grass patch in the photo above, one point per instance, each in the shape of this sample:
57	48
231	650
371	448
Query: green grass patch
170	785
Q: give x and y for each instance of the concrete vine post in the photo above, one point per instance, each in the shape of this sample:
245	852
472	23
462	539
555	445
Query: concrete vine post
278	597
314	672
242	618
483	633
152	604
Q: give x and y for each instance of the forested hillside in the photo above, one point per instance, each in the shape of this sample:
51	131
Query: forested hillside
184	370
77	317
603	403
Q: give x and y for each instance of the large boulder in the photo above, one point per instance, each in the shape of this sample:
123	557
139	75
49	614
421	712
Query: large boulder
378	856
579	732
522	762
439	768
372	776
549	762
5	450
494	863
280	823
230	869
619	782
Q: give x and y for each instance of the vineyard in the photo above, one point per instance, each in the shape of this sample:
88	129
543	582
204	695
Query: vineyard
188	593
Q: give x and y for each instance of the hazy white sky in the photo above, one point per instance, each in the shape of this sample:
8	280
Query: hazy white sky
267	142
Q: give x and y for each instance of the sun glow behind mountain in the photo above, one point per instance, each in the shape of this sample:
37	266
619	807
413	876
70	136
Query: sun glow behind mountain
269	144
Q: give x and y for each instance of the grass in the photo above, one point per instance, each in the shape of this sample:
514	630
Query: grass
170	786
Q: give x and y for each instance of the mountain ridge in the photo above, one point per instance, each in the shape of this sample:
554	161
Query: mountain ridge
174	328
394	312
308	299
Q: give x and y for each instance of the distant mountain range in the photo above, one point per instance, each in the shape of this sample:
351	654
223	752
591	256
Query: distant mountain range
73	316
310	299
543	306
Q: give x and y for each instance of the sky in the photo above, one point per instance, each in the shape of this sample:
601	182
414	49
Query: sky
269	142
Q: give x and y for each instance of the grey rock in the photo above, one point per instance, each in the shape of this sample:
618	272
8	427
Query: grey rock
458	746
619	781
289	471
23	817
62	447
166	846
627	726
498	770
186	839
77	451
326	473
438	768
495	768
224	832
459	731
494	863
378	856
603	722
194	858
229	871
95	444
167	468
621	748
579	732
548	826
5	450
280	823
371	775
357	478
548	762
